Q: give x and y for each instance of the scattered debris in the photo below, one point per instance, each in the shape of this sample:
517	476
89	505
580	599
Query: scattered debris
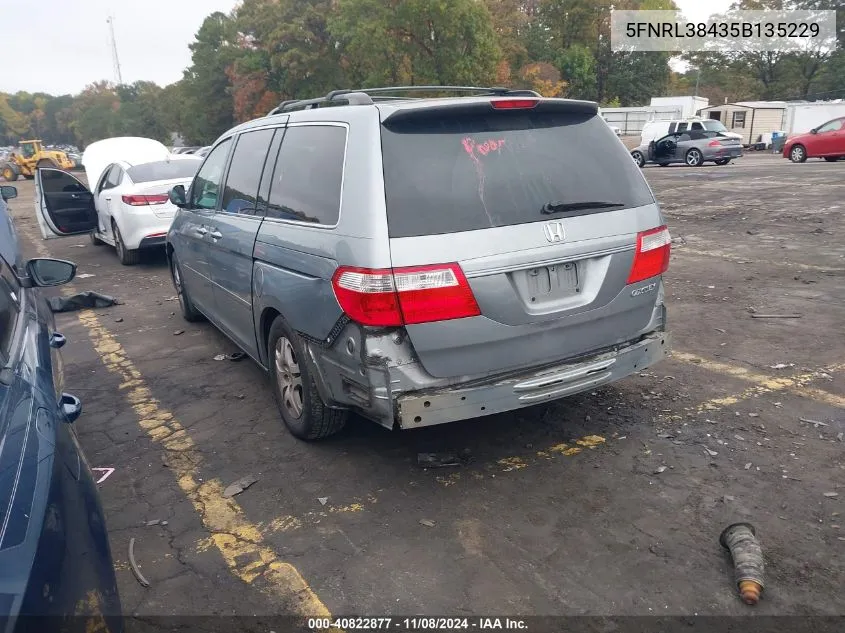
85	276
172	299
741	540
710	452
718	329
119	320
831	495
81	301
782	365
178	332
776	316
153	522
839	436
727	498
660	469
323	500
237	487
748	466
234	356
442	460
77	246
753	415
739	438
816	423
135	570
427	522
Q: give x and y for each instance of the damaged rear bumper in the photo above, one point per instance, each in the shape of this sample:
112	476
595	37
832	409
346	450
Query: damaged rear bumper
450	404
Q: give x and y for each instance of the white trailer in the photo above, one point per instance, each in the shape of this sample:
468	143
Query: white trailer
803	117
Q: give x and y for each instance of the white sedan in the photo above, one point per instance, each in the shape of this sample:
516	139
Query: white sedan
128	207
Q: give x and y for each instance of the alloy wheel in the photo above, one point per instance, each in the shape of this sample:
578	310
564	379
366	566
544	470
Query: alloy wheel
288	377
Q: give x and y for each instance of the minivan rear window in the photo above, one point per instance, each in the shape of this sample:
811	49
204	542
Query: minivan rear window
463	173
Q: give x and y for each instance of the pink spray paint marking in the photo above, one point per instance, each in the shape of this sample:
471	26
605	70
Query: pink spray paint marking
470	146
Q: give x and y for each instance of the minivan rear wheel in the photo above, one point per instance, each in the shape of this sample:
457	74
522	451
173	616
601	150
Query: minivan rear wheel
300	405
189	311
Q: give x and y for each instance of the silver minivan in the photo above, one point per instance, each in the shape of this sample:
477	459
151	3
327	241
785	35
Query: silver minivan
424	260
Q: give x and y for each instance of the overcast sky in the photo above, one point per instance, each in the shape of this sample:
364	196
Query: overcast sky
61	46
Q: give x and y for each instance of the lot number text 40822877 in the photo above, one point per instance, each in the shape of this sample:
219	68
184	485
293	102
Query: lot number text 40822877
417	624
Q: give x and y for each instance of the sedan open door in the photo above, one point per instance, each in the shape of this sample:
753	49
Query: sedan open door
63	204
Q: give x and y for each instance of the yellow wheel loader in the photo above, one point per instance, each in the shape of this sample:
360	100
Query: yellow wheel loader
31	157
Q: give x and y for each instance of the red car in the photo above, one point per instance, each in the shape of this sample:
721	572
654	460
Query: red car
826	141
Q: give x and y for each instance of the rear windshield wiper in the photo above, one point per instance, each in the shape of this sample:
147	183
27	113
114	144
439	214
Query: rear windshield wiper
560	207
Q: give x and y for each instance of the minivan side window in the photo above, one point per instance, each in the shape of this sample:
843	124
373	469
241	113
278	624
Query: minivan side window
308	175
697	126
245	171
682	127
206	188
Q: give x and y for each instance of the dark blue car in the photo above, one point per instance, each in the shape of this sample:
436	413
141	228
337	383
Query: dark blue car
56	570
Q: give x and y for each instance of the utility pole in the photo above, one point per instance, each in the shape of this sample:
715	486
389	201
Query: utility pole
115	60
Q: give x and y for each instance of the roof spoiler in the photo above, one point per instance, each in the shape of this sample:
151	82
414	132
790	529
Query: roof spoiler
413	111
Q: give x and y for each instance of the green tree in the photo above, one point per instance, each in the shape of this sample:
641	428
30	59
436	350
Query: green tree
207	89
416	41
578	67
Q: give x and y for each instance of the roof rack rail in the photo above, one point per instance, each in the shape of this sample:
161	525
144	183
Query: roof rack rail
495	90
368	96
349	97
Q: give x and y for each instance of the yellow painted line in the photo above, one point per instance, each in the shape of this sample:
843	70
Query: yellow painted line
820	395
240	542
796	384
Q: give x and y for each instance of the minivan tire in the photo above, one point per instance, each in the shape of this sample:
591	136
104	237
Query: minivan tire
189	311
300	405
694	158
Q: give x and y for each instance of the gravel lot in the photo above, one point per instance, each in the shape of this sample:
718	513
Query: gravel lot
561	509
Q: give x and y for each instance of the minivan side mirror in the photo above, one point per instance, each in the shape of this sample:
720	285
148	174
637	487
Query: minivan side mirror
8	192
178	196
44	272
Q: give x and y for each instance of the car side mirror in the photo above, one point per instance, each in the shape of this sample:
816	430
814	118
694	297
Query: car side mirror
814	131
178	196
49	272
8	192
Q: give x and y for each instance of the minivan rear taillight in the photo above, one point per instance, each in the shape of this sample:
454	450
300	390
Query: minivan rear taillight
514	104
142	201
404	296
652	256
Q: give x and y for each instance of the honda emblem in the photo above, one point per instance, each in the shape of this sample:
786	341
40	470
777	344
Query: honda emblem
553	231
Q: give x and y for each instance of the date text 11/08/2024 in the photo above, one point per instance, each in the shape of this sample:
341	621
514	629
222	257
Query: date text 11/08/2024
417	624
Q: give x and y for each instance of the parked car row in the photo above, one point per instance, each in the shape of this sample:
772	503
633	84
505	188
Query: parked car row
55	560
417	261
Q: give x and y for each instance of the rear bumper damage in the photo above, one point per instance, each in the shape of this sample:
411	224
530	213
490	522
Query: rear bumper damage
460	403
377	374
